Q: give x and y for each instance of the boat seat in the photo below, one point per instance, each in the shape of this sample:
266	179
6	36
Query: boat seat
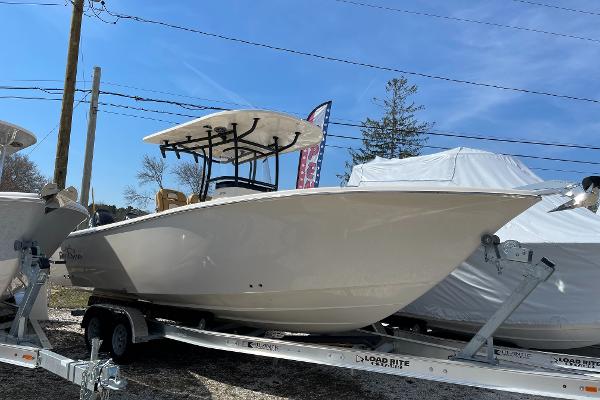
193	198
168	198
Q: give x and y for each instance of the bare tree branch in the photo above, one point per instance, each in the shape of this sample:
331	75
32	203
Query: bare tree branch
189	174
132	196
21	175
153	171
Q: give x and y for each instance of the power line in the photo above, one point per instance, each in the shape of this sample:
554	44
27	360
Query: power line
138	116
147	110
19	3
173	94
192	106
488	138
57	91
355	123
350	122
448	148
202	107
427	146
565	170
472	21
443	134
506	154
558	7
41	89
56	126
119	16
104	83
31	98
188	106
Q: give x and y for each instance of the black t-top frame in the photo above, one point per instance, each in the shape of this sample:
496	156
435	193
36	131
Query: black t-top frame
244	150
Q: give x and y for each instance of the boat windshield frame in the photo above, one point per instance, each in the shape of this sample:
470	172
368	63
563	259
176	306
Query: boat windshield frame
202	148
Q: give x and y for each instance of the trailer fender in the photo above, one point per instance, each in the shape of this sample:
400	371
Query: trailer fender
137	320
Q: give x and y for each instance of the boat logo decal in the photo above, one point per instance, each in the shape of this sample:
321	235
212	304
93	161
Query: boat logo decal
70	254
386	362
263	346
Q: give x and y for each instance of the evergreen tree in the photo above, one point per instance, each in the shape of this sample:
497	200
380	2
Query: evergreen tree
399	134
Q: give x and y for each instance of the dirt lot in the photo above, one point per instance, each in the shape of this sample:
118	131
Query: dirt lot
169	370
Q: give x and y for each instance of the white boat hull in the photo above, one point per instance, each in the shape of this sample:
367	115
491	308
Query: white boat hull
318	260
19	214
23	217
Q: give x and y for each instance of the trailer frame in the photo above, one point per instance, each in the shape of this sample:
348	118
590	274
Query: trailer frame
23	342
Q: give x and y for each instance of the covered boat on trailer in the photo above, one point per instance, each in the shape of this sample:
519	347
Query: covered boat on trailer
562	312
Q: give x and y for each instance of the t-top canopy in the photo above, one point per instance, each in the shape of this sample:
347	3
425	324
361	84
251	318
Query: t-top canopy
14	138
258	134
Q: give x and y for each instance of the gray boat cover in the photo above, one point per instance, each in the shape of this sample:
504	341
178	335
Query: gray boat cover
475	290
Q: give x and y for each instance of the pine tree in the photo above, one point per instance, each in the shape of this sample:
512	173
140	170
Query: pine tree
399	134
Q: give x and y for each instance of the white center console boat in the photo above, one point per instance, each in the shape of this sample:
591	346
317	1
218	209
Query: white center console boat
310	260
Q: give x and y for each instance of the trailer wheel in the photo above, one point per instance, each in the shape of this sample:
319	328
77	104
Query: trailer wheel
120	341
95	327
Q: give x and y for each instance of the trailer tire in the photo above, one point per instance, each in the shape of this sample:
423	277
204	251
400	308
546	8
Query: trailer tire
95	326
120	342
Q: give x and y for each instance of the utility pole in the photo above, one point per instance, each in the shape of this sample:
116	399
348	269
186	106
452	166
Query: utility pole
66	115
91	137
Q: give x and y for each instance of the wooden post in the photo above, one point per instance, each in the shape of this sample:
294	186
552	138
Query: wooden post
91	137
66	115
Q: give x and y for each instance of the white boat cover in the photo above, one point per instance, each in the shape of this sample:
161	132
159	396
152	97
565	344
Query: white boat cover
475	290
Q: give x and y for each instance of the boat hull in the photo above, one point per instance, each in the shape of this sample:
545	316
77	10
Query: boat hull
27	217
19	214
318	260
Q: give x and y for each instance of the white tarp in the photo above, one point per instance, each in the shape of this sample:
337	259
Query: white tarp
475	290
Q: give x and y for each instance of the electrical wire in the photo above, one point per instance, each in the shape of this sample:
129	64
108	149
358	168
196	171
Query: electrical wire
31	98
147	110
472	21
173	94
558	7
188	106
27	3
587	173
507	154
119	16
192	106
488	138
137	116
81	100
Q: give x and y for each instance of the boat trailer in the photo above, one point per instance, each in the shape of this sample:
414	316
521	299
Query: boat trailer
387	350
23	342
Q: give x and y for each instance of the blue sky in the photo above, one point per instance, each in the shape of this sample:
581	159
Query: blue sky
151	57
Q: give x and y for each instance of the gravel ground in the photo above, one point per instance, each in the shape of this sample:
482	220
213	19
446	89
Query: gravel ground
170	370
